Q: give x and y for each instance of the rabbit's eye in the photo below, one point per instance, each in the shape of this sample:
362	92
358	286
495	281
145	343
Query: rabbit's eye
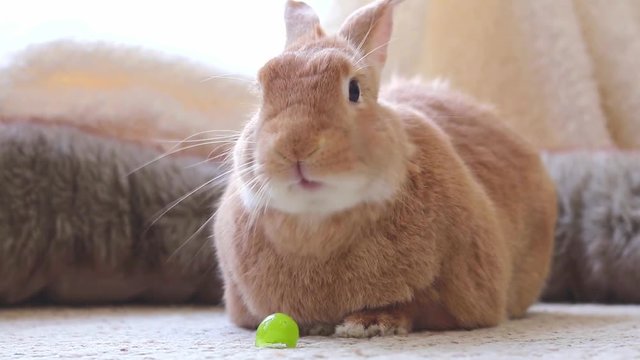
354	90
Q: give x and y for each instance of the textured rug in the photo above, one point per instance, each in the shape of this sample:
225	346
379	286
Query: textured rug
549	332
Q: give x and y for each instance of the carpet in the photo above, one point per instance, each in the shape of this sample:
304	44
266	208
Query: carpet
550	331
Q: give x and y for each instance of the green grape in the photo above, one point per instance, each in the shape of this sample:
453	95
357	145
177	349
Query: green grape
277	331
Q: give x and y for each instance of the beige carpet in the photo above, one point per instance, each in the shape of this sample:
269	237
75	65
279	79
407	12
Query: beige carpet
551	331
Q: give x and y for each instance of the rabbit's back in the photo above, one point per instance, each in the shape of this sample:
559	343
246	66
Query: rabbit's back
509	170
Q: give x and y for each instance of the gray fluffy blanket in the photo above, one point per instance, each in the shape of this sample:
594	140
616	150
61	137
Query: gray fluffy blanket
597	251
76	228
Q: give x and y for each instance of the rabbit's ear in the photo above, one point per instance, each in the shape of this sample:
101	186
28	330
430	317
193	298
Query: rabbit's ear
301	21
369	30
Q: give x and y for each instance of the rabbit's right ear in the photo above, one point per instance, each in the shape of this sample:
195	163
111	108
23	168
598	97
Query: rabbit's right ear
369	30
301	21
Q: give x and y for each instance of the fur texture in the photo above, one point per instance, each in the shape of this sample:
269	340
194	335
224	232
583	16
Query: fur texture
74	228
413	208
597	249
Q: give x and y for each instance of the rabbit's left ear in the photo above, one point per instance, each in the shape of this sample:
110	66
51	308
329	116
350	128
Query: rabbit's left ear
301	21
369	30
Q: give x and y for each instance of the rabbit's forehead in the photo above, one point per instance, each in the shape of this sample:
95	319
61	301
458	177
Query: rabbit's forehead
306	64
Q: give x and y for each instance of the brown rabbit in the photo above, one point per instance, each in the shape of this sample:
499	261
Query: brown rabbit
375	213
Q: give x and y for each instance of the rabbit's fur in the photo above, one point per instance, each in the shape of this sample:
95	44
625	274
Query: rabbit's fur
411	208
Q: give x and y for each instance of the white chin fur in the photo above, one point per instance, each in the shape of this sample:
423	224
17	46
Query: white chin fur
340	193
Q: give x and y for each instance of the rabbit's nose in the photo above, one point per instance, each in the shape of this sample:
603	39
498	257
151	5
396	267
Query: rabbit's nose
297	150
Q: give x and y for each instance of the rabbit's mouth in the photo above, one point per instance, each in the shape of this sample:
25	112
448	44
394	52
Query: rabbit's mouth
303	181
309	184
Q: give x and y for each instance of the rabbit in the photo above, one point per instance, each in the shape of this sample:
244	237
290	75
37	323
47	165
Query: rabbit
364	211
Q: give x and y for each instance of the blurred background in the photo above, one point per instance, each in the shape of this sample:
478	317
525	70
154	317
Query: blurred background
236	35
564	73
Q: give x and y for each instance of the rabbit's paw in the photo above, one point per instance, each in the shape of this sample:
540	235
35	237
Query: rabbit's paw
377	322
